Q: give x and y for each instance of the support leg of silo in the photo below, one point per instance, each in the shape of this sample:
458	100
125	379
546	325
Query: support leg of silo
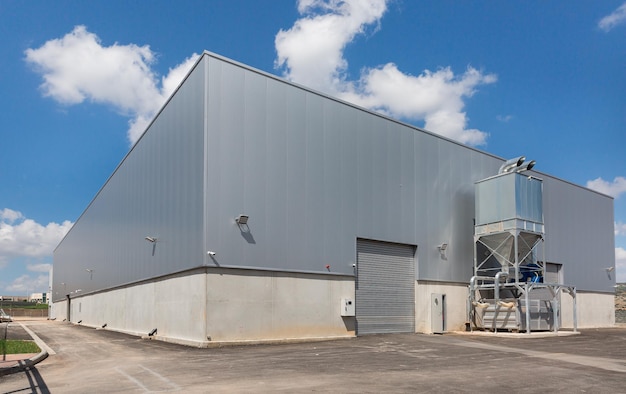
555	314
573	293
527	300
469	307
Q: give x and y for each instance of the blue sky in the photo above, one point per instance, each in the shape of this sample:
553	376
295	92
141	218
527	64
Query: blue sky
81	79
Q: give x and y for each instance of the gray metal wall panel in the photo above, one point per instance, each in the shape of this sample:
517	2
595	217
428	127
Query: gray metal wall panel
277	170
317	174
577	234
156	191
312	173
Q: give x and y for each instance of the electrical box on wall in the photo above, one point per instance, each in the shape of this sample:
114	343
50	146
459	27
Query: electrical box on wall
347	307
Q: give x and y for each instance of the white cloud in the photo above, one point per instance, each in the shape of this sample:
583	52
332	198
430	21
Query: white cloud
136	127
9	215
620	228
27	284
39	267
175	76
614	189
435	97
620	264
504	118
77	67
22	237
614	19
311	53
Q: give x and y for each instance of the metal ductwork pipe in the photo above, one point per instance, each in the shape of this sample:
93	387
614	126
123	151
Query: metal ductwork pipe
511	164
527	165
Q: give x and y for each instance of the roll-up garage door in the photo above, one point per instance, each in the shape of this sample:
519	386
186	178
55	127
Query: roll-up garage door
385	287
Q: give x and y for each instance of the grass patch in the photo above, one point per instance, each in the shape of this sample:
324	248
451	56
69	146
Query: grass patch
17	347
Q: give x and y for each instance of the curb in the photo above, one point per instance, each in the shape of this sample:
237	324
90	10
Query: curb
24	364
32	361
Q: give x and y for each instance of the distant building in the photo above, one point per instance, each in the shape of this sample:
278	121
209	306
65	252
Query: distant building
40	298
255	209
14	298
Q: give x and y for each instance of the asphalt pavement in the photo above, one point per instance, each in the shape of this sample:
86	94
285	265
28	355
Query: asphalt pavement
103	361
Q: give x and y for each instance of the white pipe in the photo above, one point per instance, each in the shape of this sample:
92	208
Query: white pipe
496	294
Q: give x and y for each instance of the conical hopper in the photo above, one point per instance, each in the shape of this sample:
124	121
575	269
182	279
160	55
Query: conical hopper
502	248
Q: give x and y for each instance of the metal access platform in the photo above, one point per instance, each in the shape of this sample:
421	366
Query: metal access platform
496	304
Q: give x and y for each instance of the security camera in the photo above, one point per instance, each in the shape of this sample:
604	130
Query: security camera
353	265
210	253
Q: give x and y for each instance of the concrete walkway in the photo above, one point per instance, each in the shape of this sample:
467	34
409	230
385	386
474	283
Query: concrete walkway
89	360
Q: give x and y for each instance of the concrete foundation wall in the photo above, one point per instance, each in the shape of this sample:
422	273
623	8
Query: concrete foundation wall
454	307
593	309
247	305
173	305
221	305
58	310
215	305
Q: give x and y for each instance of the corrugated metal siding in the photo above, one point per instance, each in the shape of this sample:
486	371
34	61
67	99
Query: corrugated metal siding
312	173
385	288
579	234
156	191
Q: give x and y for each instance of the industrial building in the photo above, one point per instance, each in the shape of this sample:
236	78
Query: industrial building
254	209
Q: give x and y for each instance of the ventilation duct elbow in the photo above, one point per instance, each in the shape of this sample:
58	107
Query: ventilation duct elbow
527	165
511	164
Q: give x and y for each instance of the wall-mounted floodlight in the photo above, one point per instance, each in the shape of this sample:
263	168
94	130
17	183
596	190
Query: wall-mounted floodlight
153	241
241	219
442	250
608	272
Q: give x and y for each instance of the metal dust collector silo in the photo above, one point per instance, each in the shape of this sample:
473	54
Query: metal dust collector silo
509	289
